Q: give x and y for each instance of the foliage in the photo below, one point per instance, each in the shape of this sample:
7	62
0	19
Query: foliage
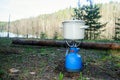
2	26
117	29
51	23
81	77
48	23
55	36
61	76
3	23
90	14
2	73
43	35
78	13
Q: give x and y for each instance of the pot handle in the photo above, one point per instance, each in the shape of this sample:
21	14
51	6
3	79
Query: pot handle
84	27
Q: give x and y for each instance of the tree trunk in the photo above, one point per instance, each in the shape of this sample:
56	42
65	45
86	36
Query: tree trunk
60	43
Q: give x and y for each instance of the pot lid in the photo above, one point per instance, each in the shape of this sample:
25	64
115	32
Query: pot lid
73	21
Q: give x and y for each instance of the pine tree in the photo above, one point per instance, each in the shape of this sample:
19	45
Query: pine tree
117	29
90	14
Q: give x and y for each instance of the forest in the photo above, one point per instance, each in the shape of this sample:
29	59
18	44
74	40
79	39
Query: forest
50	25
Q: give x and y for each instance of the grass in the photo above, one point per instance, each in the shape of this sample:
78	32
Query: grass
48	62
81	77
61	76
105	41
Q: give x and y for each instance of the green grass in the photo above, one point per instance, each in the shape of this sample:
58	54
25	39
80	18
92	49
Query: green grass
81	77
44	60
5	42
61	76
105	41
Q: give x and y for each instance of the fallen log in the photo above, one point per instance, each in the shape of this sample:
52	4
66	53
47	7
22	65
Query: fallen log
40	42
59	43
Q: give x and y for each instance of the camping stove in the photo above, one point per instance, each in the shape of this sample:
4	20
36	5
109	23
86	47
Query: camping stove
73	31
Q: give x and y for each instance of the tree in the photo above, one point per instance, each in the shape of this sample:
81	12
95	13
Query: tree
117	29
55	36
8	26
90	14
2	26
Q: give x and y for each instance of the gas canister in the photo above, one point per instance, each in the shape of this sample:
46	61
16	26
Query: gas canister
73	61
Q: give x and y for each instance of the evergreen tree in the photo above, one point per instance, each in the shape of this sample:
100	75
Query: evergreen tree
117	29
90	14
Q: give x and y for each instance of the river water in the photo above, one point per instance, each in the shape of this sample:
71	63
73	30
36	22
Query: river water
12	35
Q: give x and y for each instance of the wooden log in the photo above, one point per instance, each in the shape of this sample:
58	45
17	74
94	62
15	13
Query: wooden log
58	43
99	45
40	42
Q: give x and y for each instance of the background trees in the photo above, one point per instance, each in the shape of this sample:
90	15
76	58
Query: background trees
51	23
91	15
117	29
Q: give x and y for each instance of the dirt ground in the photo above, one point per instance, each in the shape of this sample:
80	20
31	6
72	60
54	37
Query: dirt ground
46	63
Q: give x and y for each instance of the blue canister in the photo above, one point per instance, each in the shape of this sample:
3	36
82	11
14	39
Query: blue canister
73	61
